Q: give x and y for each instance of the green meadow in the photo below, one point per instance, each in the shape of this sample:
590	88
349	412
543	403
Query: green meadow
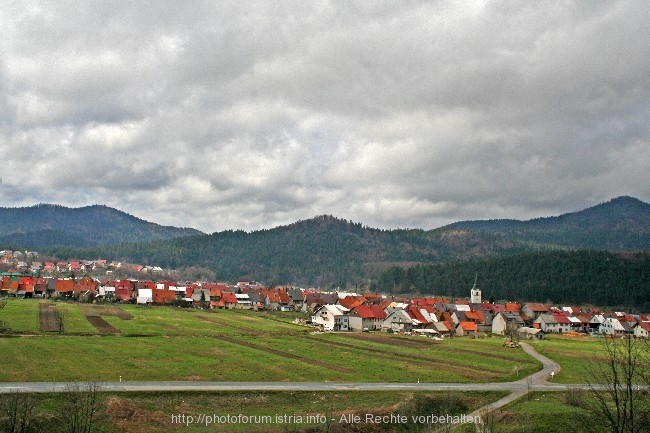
167	343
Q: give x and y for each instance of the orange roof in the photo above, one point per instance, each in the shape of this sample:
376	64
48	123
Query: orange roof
64	285
512	307
161	296
468	326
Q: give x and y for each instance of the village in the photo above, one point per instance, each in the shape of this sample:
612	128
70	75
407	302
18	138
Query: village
333	311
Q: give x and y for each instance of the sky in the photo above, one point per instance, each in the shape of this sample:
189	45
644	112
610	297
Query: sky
248	115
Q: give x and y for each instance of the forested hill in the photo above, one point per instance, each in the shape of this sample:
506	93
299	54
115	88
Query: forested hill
49	225
620	224
599	278
319	251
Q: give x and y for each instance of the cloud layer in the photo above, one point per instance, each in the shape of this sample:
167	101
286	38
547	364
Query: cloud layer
249	115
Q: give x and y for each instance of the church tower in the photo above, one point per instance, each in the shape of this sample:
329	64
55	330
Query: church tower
475	297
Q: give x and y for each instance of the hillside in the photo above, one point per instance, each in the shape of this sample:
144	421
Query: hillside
328	252
563	277
52	225
320	251
620	224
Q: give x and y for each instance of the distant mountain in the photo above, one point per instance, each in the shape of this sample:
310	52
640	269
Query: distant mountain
620	224
328	252
53	225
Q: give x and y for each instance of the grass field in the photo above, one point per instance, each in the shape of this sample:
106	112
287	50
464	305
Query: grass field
575	355
165	343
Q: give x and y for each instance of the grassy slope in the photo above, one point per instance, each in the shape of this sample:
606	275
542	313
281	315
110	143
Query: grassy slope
161	343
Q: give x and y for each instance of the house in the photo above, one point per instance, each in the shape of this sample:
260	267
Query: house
145	296
642	330
243	301
297	298
553	323
611	326
367	317
228	301
442	328
163	297
595	322
398	321
466	328
332	318
530	333
503	323
534	310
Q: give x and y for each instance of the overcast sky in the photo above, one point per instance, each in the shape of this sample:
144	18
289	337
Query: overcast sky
254	114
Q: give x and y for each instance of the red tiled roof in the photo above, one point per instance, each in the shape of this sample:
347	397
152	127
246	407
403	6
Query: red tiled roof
229	298
538	308
562	319
468	326
512	307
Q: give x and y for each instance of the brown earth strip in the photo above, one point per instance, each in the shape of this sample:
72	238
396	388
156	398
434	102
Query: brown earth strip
2	304
49	317
437	363
102	325
285	354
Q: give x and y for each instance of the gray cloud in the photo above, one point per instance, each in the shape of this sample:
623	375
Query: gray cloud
249	115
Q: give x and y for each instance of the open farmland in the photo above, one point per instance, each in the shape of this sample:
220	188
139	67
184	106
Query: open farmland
164	343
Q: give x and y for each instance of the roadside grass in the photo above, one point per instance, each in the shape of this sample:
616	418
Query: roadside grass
478	360
21	315
547	412
575	355
152	412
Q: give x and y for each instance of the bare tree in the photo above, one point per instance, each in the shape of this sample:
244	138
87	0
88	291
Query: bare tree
81	401
18	413
618	382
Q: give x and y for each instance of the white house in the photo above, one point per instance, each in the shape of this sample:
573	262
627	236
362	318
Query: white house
642	330
145	296
553	323
332	318
398	321
611	326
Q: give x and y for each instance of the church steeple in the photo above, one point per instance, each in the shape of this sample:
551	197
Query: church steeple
475	297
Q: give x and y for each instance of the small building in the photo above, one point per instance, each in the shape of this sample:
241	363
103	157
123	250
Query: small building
642	330
332	318
466	328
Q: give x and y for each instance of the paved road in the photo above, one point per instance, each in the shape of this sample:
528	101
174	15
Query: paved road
288	386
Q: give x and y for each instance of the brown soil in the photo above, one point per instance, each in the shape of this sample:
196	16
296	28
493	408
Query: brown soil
49	317
130	417
102	325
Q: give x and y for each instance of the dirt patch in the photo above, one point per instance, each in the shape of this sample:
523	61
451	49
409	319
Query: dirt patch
130	417
50	318
2	304
102	325
104	310
286	355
